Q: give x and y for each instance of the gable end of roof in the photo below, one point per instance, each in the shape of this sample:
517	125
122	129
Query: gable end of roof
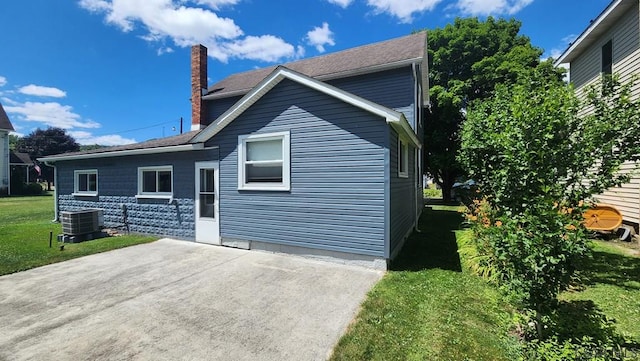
5	123
391	116
596	28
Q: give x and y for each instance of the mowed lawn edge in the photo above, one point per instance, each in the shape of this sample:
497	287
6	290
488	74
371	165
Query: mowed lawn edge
427	308
25	224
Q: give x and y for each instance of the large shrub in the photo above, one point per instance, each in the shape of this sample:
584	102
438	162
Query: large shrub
536	160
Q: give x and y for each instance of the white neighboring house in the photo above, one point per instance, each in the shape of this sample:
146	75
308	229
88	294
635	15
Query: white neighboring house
5	128
610	44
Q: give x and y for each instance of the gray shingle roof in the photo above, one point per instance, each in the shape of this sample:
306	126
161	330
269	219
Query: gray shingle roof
5	123
19	158
180	139
359	59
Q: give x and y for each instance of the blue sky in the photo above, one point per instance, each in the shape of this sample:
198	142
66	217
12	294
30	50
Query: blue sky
117	71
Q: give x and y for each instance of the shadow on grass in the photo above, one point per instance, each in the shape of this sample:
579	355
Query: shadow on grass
434	246
440	202
613	269
576	320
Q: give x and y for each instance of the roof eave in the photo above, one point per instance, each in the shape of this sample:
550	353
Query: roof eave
402	127
615	9
122	153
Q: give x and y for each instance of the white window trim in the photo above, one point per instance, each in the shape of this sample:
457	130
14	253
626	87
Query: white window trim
76	191
403	157
286	162
154	195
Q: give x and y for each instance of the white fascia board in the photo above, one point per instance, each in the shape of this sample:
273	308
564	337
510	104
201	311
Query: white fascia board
403	128
588	32
121	153
276	77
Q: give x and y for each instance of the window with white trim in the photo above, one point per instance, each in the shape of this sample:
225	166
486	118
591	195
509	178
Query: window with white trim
264	162
403	159
155	181
85	182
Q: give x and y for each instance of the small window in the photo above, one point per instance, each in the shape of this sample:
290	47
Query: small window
85	182
155	181
264	161
607	58
403	159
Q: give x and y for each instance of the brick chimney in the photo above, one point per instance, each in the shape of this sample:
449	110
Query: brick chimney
198	83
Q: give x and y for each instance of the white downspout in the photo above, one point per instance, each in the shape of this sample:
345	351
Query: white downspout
55	190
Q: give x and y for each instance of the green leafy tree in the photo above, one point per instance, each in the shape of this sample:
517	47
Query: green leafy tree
537	162
466	61
50	141
13	140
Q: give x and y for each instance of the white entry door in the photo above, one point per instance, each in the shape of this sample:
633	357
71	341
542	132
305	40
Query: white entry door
207	207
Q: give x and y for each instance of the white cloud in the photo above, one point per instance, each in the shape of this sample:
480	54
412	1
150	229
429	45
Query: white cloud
42	91
50	113
558	50
3	81
403	9
187	25
341	3
165	50
87	138
321	36
217	4
491	7
94	5
8	101
266	47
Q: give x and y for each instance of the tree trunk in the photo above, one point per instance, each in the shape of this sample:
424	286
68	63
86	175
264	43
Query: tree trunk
446	191
539	323
446	183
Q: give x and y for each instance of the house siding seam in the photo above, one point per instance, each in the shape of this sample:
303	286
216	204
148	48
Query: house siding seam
336	201
585	71
402	211
118	185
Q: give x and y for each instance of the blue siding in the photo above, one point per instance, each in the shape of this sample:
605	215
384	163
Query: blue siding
392	88
118	185
402	193
336	201
216	108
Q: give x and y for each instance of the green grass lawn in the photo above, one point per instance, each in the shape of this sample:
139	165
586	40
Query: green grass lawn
613	284
427	308
25	223
432	192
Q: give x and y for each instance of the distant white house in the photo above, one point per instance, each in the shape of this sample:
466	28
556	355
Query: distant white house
5	128
610	44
